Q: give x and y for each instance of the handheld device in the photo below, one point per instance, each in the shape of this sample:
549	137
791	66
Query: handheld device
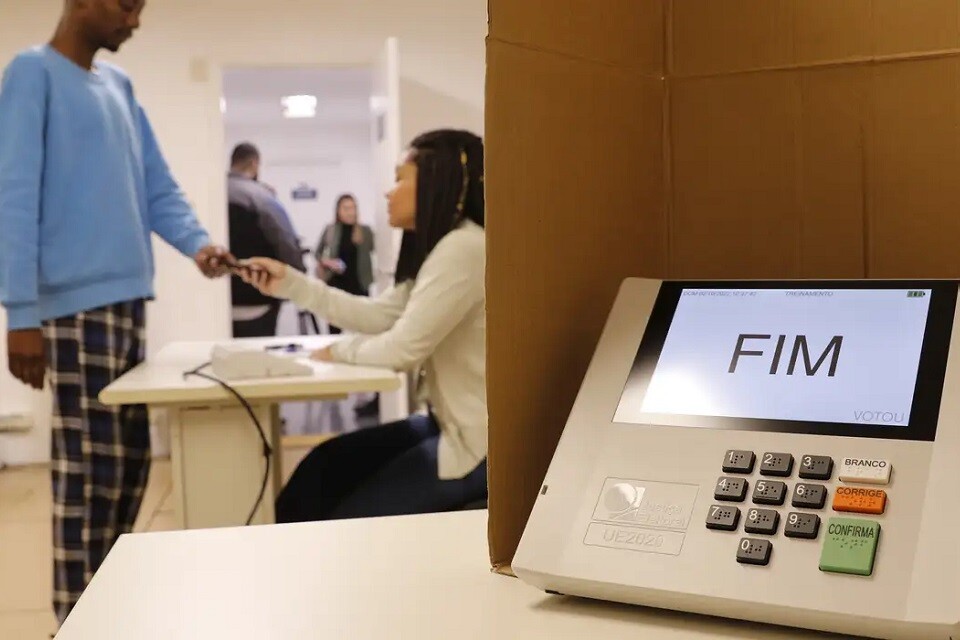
782	452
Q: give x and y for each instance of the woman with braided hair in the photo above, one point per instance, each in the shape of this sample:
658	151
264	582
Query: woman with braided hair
432	320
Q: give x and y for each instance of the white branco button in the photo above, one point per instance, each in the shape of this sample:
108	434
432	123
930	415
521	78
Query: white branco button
865	470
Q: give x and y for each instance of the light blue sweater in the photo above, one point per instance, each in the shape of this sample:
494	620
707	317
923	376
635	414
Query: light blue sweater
82	186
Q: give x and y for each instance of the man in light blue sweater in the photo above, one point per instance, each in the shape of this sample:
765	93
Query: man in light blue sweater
83	185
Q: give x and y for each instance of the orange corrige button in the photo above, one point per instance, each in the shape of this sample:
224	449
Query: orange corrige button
860	500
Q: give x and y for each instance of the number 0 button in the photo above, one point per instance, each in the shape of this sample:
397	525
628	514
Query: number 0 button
753	551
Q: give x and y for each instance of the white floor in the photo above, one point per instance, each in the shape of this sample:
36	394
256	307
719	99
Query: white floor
25	542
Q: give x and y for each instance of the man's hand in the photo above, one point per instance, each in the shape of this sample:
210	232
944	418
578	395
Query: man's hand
214	261
27	358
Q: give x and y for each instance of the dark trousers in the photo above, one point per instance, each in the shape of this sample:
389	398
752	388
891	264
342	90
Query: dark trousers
380	471
100	456
263	327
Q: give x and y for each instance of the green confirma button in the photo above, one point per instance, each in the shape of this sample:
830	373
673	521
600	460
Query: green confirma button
850	546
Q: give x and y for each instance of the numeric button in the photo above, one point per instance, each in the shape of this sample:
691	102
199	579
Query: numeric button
723	518
737	461
771	492
753	551
762	521
779	465
816	467
731	489
809	496
802	525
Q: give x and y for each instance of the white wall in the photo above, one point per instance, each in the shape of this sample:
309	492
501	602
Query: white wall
176	63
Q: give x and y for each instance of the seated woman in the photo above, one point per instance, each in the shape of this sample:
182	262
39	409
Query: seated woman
434	318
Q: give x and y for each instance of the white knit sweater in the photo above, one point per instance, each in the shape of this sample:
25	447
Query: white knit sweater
438	322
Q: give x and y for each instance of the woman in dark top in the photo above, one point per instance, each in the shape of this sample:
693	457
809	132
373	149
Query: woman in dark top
345	252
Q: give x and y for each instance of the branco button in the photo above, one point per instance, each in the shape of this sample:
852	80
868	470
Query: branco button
860	500
865	470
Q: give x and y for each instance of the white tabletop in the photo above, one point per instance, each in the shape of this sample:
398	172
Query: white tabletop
419	577
160	380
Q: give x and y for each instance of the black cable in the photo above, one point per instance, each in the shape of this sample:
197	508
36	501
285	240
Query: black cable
267	449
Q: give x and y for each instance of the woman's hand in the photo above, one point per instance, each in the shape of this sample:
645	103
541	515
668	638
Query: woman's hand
264	274
322	355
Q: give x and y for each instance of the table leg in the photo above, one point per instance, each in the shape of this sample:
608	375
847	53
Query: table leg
218	465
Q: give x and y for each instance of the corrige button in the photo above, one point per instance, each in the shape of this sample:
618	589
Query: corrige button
860	500
865	470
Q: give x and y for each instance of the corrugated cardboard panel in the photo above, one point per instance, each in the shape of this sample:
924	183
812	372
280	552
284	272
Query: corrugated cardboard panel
627	33
833	30
575	204
914	223
714	36
833	163
910	26
735	143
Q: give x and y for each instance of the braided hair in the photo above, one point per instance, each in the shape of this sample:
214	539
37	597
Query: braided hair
449	190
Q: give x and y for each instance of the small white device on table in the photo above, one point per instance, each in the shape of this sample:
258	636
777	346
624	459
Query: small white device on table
783	452
220	470
242	362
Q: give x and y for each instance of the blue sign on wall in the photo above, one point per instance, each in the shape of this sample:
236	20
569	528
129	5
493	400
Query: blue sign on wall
304	192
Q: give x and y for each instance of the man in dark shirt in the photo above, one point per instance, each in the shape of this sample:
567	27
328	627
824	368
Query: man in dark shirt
256	230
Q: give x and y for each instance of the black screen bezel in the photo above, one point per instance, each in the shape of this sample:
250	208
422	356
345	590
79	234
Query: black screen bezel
928	391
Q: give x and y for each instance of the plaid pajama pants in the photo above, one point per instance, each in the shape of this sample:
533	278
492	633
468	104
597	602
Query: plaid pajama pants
100	454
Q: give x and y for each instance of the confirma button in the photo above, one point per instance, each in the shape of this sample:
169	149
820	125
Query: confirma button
865	470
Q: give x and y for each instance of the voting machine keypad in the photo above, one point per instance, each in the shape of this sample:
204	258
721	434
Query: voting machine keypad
849	543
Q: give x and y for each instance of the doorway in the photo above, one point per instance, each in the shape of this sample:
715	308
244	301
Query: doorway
315	129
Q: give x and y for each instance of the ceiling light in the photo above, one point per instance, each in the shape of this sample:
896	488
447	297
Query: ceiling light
299	106
223	105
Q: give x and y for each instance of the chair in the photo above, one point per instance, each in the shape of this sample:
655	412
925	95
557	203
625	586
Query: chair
307	320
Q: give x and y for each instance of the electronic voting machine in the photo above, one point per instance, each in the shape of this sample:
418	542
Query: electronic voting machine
781	452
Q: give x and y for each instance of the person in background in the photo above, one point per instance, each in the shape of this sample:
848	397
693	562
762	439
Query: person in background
345	251
255	230
433	316
279	210
83	184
